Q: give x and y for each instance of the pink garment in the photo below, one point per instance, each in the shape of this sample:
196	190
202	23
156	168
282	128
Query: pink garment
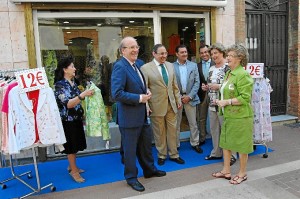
5	100
4	144
6	91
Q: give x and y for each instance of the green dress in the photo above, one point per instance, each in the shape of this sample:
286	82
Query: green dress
237	128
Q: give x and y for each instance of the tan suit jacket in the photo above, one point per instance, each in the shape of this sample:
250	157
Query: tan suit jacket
160	91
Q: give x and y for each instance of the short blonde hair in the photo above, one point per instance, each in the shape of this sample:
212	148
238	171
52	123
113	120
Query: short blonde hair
241	52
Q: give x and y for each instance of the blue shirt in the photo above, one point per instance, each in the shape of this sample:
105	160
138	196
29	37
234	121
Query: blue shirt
205	68
183	76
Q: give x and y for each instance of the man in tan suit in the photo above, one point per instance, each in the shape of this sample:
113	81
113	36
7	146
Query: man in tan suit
164	103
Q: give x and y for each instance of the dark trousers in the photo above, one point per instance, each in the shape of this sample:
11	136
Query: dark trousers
136	142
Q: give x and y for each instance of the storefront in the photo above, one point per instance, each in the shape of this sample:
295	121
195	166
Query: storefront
92	29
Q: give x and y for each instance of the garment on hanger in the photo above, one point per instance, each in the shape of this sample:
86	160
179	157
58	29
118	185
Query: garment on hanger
6	89
21	123
174	40
262	131
95	115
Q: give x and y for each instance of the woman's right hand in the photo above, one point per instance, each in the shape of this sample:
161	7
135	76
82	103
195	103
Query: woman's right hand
87	93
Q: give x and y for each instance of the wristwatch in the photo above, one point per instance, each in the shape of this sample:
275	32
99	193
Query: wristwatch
80	97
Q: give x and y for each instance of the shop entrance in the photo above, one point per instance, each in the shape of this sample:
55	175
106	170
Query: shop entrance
267	42
94	38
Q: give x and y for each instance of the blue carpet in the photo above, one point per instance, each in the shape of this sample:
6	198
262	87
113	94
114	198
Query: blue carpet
100	169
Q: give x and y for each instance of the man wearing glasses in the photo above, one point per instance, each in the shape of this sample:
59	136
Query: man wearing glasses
129	89
163	104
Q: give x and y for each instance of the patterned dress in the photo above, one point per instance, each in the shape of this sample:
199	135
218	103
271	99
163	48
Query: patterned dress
71	117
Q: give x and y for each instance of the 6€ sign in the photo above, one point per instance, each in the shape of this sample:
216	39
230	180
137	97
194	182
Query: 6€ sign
256	70
32	79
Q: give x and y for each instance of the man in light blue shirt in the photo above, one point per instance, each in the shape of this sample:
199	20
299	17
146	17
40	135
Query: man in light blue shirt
188	82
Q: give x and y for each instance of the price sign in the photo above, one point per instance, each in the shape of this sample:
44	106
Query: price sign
32	79
256	70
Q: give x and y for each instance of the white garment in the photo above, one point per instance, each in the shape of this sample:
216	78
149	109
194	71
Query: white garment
21	124
262	131
216	76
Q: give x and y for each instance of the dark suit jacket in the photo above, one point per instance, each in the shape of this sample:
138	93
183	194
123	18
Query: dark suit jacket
201	93
126	87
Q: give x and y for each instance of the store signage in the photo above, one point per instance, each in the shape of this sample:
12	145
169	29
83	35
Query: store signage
32	79
256	70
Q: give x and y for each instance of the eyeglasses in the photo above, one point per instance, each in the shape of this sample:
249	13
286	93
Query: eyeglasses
132	47
162	53
231	56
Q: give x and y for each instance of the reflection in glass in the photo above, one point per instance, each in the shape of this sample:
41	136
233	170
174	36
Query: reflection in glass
94	44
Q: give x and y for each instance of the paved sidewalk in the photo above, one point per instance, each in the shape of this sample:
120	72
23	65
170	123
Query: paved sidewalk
277	176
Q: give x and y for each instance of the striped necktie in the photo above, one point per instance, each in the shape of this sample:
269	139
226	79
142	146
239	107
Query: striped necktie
164	74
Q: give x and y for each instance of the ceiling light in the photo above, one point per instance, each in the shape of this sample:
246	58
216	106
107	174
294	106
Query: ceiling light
66	22
99	24
68	32
131	21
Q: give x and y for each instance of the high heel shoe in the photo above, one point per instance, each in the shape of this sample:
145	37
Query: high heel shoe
77	177
79	170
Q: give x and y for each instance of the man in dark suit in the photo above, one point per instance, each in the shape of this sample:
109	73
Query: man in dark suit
130	92
202	108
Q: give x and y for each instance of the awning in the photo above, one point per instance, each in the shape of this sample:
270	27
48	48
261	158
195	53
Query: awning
213	3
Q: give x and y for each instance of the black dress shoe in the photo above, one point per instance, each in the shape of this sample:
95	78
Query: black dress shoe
161	161
212	158
197	149
201	143
177	160
157	173
136	186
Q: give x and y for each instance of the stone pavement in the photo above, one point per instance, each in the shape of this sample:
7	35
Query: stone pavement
277	176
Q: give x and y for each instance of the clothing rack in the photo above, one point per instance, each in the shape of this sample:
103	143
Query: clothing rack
264	131
263	143
28	173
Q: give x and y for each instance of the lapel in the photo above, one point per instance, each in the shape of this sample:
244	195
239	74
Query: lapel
134	74
42	98
189	70
157	73
169	67
26	101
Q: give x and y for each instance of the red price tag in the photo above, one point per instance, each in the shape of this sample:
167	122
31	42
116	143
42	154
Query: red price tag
32	79
256	70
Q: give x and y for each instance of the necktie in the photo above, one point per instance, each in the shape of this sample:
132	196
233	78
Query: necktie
138	72
164	73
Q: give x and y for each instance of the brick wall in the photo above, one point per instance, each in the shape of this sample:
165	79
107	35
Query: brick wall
240	25
294	59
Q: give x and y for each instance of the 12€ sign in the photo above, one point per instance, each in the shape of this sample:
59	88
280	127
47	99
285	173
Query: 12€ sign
32	79
256	70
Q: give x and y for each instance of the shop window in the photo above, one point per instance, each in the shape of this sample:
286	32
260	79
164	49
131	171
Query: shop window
187	31
94	44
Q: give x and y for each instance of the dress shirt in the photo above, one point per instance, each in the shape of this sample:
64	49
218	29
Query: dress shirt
159	67
183	76
205	68
138	72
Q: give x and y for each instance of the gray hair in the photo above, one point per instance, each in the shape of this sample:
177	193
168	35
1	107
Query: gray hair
123	41
219	47
241	52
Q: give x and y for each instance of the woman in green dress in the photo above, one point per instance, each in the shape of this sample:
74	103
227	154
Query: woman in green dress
235	106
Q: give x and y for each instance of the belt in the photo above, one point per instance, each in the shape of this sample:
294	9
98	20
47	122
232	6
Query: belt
183	93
